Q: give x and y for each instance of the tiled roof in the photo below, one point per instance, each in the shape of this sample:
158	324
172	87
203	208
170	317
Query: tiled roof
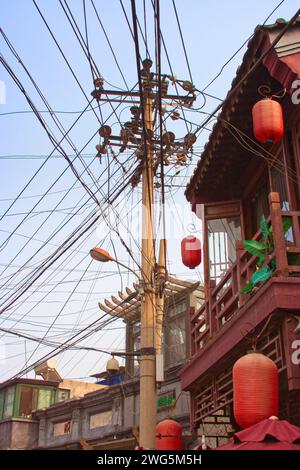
254	49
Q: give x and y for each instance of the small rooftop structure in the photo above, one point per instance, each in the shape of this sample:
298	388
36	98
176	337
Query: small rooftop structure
48	371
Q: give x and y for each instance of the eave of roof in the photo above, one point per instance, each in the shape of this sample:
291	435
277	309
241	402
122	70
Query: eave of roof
9	383
277	69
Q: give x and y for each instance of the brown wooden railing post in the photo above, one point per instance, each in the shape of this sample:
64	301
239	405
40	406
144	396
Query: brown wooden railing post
278	235
239	247
190	337
213	322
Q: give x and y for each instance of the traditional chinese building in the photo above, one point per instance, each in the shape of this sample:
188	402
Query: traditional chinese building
236	181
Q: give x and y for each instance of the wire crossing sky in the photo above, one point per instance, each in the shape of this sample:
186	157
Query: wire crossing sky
57	198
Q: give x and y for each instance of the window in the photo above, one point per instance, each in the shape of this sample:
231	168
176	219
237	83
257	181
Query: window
44	398
222	236
175	344
28	401
279	184
137	346
260	202
9	403
32	398
101	419
62	395
177	309
62	428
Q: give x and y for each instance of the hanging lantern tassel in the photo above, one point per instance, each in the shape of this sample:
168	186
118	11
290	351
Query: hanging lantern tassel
255	389
267	121
191	251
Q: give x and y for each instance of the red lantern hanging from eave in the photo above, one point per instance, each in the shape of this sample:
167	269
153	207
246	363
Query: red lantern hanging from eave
255	389
267	121
168	435
191	251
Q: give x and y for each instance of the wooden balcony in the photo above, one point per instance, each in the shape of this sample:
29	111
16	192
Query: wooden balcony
227	314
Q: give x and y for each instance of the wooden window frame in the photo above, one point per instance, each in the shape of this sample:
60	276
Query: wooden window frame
213	211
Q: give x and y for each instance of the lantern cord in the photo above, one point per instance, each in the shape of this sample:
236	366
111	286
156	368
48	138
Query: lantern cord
265	91
241	137
249	335
263	330
253	337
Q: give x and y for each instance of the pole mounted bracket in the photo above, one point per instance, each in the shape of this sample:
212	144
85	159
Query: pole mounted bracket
147	352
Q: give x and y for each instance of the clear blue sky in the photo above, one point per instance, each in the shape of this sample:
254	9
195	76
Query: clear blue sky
212	31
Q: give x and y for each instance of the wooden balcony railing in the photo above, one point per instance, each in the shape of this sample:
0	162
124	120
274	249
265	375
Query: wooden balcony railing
225	298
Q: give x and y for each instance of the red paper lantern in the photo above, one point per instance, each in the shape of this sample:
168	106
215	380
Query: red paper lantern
255	389
168	435
267	121
191	251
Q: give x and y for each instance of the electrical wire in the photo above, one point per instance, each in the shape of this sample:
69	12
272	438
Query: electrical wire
250	71
109	44
182	41
67	344
239	49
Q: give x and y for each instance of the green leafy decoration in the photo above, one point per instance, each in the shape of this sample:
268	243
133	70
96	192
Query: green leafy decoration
255	248
286	224
273	264
248	288
264	227
262	249
261	261
261	275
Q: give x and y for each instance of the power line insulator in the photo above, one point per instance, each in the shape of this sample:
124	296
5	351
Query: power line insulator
147	64
105	131
99	82
189	140
96	94
101	149
164	87
168	138
135	111
188	86
181	158
175	115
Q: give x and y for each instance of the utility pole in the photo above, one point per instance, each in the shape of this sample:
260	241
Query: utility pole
139	134
160	298
148	311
